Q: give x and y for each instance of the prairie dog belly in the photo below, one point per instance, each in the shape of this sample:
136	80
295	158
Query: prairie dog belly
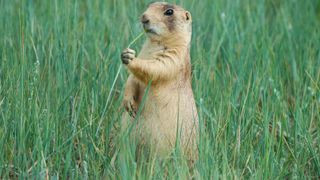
164	119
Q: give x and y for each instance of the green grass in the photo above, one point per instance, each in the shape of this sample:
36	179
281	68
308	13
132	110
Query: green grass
256	79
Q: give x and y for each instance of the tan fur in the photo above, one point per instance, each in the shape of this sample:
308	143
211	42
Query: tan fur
165	61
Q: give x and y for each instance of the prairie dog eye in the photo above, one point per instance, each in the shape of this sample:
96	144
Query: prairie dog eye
169	12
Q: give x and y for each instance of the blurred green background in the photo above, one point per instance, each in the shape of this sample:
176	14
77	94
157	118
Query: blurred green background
256	80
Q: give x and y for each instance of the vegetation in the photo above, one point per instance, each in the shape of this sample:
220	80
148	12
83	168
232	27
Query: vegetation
256	79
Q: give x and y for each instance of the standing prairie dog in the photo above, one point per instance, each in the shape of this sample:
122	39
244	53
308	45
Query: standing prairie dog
169	114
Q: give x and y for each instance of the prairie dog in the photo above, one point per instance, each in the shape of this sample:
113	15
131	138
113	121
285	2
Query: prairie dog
164	60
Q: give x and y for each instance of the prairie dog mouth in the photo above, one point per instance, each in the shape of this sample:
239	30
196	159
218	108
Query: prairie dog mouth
149	31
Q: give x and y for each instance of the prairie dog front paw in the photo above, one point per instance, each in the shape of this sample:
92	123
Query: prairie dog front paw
127	55
131	106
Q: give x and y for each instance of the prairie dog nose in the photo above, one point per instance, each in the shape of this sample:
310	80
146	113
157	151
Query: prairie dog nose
144	19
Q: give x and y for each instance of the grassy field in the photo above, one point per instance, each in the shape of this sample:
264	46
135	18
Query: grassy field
256	79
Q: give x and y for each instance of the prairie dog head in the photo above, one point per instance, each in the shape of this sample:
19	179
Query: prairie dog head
163	21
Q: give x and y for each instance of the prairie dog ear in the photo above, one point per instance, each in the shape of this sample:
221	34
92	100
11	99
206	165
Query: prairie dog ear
188	16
